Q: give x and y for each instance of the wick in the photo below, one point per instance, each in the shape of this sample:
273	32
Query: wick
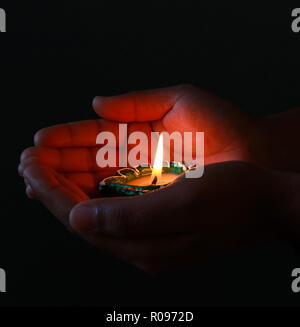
154	181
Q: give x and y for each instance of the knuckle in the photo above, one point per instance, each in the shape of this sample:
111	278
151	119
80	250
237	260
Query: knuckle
117	222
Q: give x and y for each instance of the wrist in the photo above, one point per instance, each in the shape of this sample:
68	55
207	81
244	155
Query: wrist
258	149
274	140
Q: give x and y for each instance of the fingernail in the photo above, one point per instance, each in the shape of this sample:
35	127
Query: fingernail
84	218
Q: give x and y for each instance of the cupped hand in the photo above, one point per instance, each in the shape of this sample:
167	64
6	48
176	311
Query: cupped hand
190	218
231	205
70	149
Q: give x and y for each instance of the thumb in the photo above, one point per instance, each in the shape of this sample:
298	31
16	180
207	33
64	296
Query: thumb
151	213
139	106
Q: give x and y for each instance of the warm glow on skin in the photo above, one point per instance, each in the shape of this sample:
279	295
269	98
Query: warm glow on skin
161	230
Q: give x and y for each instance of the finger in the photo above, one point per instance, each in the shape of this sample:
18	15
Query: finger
57	193
172	209
29	192
62	159
140	106
76	134
87	182
78	159
84	134
157	212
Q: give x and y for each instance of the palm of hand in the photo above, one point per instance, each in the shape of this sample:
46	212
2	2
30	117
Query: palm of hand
61	171
67	152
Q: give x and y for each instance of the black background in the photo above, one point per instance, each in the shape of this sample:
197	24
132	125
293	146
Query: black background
56	58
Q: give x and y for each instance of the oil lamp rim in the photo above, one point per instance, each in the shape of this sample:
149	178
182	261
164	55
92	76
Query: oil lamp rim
136	171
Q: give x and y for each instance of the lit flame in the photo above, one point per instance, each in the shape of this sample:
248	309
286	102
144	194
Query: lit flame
158	161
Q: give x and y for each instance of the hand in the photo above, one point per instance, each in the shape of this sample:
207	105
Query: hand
61	172
70	149
231	205
184	108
